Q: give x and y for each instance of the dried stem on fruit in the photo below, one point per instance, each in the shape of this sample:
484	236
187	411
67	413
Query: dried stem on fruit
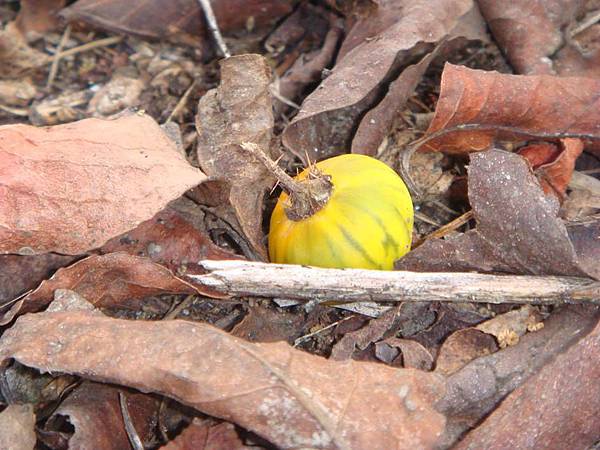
306	196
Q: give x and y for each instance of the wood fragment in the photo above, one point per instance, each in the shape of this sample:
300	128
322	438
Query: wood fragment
57	56
134	438
213	26
448	228
331	286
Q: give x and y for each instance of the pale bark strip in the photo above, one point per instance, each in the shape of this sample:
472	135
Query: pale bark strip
244	278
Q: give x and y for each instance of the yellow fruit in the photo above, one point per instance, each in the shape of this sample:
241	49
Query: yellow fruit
365	223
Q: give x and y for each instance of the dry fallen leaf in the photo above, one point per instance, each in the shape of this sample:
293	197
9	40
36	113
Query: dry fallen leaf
19	274
95	412
115	280
518	230
180	21
556	408
287	396
268	325
360	339
202	435
16	56
17	423
530	32
368	59
37	17
553	166
168	239
239	111
408	353
70	188
477	107
462	347
476	389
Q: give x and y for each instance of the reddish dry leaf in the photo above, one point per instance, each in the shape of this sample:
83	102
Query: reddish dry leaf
268	325
37	17
462	347
585	237
17	423
94	411
489	106
70	188
365	336
116	280
408	353
289	397
556	408
308	68
477	388
239	111
517	230
553	166
179	20
19	274
16	56
330	115
202	435
167	239
581	56
530	31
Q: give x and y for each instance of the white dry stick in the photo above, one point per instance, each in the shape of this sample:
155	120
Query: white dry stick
331	286
211	20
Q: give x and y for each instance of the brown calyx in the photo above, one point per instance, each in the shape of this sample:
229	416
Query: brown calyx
307	196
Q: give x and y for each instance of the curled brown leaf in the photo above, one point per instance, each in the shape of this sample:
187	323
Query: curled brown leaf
289	397
70	188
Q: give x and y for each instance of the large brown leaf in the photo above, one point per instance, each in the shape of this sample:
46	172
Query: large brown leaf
70	188
94	411
536	35
529	31
179	20
115	280
168	239
17	423
239	111
556	408
377	48
517	230
490	105
293	399
202	435
476	389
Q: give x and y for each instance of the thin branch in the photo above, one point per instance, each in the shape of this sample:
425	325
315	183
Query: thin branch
182	102
82	48
448	228
134	438
334	286
58	55
213	26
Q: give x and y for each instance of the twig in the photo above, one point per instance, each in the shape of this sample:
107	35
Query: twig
445	229
182	101
83	48
306	337
585	24
243	278
211	20
58	56
134	438
22	112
